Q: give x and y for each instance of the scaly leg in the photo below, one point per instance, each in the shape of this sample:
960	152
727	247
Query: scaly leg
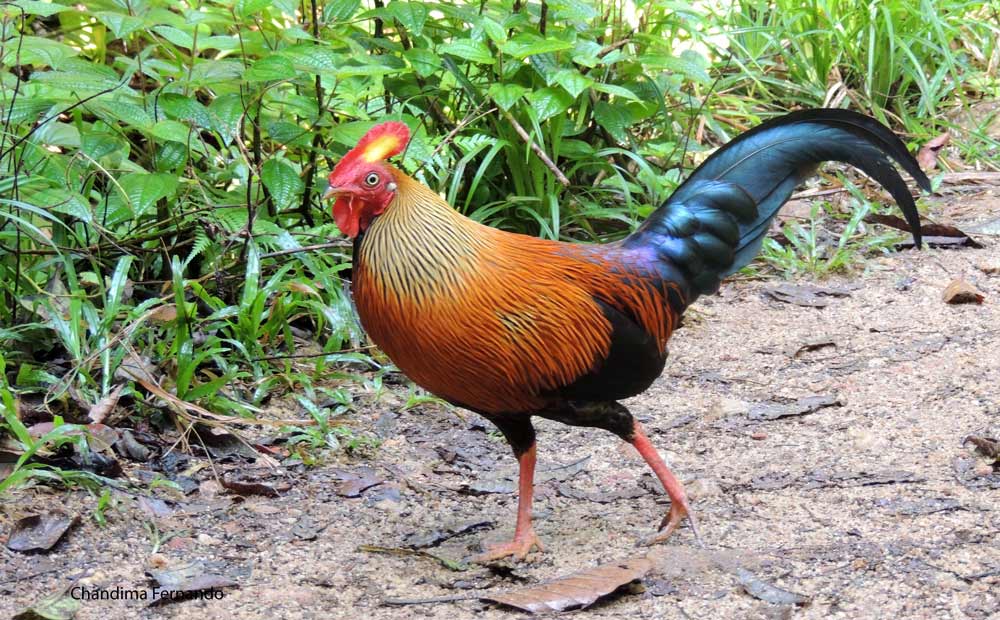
524	535
679	507
520	435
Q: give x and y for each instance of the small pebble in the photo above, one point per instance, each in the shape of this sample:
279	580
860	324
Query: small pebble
758	436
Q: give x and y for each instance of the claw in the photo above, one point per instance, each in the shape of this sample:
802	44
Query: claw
520	547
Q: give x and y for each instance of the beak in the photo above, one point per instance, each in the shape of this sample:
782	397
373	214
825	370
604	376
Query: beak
331	192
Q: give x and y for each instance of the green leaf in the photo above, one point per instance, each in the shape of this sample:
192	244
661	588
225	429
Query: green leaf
689	64
120	24
36	7
175	35
281	180
617	91
185	109
313	58
493	30
171	130
615	119
63	201
123	111
467	49
507	95
573	81
573	10
269	68
227	111
412	15
98	144
144	189
340	10
247	8
528	44
424	61
39	51
548	102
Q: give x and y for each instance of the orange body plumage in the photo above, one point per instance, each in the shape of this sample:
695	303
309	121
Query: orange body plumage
493	321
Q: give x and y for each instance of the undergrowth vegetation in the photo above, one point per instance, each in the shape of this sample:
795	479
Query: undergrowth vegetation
163	247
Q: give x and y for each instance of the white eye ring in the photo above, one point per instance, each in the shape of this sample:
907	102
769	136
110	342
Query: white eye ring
372	179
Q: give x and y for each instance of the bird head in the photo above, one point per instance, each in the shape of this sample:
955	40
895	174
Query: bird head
362	182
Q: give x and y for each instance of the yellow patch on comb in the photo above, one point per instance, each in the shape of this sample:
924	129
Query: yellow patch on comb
382	148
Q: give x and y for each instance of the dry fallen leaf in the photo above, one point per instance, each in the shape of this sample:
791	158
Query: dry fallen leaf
808	295
961	292
39	532
164	313
580	589
106	405
927	157
803	406
764	591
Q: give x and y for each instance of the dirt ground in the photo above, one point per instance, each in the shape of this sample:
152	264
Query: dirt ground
872	508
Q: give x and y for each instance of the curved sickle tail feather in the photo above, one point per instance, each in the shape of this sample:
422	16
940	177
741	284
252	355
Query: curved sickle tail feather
715	222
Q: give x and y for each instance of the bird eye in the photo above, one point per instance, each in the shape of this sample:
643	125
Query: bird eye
372	179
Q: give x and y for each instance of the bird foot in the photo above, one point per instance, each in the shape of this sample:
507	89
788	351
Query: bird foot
519	548
678	512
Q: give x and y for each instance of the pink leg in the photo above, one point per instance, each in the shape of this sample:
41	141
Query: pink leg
679	507
524	535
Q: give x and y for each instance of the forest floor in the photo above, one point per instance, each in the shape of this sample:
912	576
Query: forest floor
872	506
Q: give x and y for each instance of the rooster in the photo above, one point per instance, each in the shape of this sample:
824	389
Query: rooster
511	326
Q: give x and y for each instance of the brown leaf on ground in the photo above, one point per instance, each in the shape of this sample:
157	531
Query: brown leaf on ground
243	486
578	590
933	234
184	578
807	295
927	156
803	406
961	292
764	591
106	405
39	532
357	481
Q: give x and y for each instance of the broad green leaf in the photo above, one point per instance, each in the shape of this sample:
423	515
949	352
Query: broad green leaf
122	111
63	201
615	119
227	111
313	58
573	81
528	44
411	15
424	61
248	8
270	68
507	95
573	10
98	144
171	130
25	109
475	51
493	30
281	180
77	82
689	64
548	102
175	35
617	91
185	109
340	10
35	7
171	156
120	24
39	51
144	189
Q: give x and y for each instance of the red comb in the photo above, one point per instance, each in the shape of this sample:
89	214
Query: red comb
380	143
